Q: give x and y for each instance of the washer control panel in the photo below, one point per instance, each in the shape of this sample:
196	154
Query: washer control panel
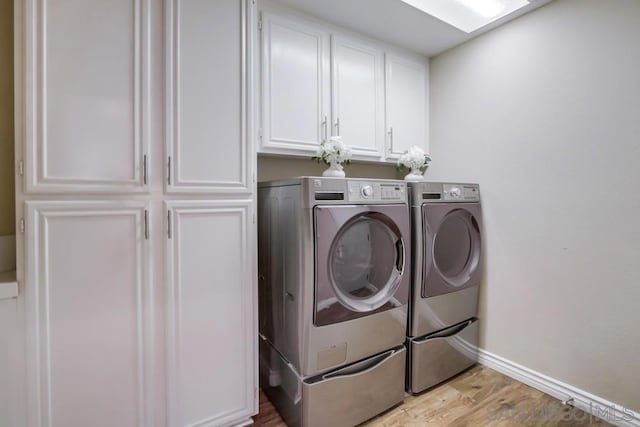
363	191
461	192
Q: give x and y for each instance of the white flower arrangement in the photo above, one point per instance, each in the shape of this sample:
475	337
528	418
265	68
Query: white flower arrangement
416	160
333	152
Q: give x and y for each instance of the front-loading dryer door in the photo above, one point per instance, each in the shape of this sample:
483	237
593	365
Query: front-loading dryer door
452	247
362	255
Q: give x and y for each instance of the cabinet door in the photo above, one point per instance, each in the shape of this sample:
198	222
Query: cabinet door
295	85
86	99
358	96
88	305
206	113
406	101
211	329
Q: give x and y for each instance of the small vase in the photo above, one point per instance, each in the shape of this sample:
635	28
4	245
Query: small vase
334	170
414	175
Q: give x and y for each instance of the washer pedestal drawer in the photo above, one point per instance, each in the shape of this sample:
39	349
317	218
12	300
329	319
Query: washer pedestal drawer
346	396
439	356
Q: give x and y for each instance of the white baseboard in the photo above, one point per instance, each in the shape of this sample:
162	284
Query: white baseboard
595	405
7	253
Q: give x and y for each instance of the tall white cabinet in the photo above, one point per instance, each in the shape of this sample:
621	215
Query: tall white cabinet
136	205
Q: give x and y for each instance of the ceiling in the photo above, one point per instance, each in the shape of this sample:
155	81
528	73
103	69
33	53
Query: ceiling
396	22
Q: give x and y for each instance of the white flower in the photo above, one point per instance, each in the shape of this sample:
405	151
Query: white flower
334	151
414	158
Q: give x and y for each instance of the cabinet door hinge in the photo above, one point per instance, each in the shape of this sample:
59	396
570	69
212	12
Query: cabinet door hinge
254	218
260	24
21	168
146	224
21	225
260	133
168	224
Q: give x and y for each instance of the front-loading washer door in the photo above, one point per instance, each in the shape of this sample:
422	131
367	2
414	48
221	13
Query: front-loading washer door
452	247
362	255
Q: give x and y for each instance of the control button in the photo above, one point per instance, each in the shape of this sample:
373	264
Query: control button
366	191
455	192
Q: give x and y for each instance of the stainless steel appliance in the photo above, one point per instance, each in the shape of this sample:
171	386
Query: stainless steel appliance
443	328
334	283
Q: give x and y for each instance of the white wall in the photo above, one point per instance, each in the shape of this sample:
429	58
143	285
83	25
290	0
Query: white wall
7	206
544	113
286	167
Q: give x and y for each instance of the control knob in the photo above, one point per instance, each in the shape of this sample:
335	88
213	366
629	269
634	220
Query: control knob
366	191
455	192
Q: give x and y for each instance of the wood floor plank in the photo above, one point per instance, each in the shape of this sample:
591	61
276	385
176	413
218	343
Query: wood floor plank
478	397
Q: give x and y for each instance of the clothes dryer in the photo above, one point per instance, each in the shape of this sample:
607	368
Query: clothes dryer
334	284
443	326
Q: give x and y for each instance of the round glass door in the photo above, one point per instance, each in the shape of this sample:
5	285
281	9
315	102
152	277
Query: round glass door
366	261
456	247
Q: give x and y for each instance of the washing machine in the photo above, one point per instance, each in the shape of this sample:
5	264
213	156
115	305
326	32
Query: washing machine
446	223
334	282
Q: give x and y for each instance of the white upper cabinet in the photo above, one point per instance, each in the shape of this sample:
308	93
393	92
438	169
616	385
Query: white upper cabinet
319	81
357	93
86	77
206	117
406	102
295	85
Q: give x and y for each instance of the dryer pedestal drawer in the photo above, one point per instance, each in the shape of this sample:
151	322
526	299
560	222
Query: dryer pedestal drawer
351	395
439	356
346	396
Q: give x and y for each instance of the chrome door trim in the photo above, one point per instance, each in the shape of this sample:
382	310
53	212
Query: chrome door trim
433	216
379	298
396	216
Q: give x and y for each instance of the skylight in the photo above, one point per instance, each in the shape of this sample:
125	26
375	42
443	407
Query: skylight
468	15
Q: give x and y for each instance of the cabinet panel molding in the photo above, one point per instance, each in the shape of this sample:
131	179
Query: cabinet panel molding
206	103
211	333
86	95
88	304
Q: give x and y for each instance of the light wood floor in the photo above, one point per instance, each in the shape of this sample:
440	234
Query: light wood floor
477	397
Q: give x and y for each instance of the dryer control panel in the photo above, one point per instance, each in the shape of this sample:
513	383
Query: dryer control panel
363	191
461	192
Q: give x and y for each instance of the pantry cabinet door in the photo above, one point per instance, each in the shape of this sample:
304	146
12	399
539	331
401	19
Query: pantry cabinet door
357	83
211	308
406	102
295	85
88	310
206	99
86	97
